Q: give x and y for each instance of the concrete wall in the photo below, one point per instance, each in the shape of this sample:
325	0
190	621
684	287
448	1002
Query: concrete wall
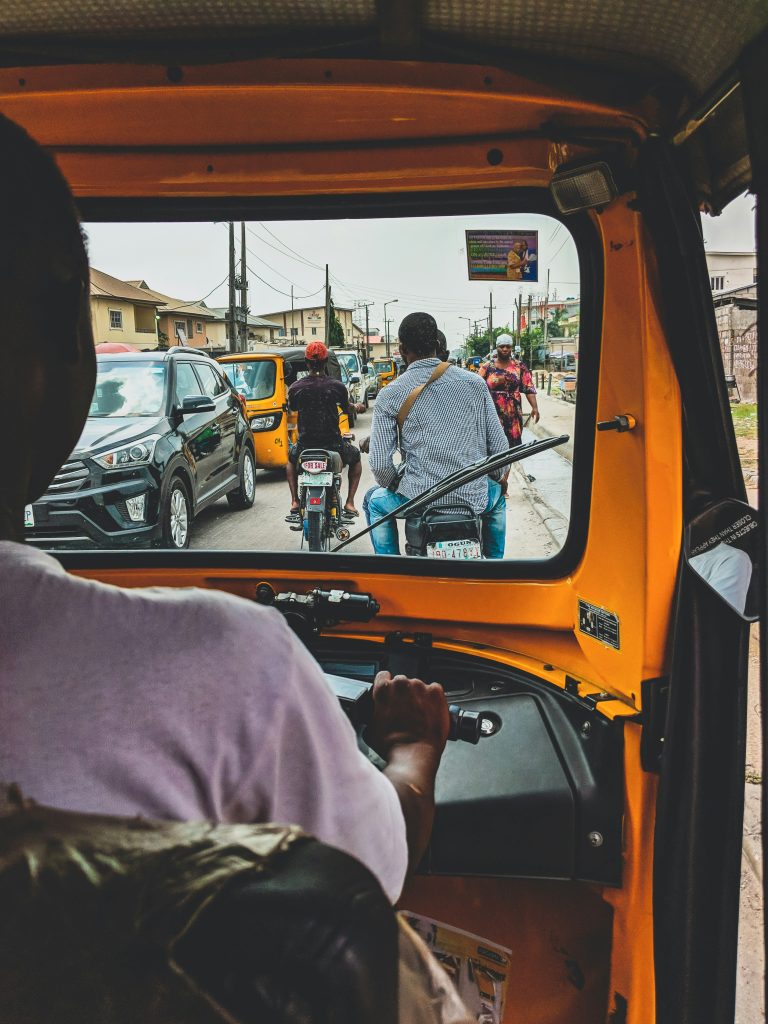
138	323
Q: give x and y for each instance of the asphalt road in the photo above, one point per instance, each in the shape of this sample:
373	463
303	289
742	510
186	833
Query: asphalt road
263	527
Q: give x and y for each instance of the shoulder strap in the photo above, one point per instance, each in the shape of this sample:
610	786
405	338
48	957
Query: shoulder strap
407	405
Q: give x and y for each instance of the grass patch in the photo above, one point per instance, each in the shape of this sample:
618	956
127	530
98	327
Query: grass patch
745	419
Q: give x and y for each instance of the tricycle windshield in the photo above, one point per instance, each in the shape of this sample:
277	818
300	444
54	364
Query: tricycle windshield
499	296
254	379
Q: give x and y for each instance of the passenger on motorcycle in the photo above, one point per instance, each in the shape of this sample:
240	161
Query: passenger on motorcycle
451	425
316	399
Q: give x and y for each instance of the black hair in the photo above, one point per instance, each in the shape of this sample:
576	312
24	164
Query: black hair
442	346
38	218
418	334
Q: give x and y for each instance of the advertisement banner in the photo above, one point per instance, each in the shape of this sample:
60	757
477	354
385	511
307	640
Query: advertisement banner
502	255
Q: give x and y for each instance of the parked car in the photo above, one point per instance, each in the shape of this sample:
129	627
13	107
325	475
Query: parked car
166	435
262	379
357	367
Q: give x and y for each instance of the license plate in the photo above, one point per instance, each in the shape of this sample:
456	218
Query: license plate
29	516
315	479
315	467
454	549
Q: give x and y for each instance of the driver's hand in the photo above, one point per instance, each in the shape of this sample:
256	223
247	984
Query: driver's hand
407	711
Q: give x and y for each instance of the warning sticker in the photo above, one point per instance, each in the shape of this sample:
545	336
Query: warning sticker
600	624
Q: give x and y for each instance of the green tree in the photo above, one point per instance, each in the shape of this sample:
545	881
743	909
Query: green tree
480	344
336	337
555	328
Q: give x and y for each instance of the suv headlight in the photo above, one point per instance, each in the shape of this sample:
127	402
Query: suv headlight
266	422
137	453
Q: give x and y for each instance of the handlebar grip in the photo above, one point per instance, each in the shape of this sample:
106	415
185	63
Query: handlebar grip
465	725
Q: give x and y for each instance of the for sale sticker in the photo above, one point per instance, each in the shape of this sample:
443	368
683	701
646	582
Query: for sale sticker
600	624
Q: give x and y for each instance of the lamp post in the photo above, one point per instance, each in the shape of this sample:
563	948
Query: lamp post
386	323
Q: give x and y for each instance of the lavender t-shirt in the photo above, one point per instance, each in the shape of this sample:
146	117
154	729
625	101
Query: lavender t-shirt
179	704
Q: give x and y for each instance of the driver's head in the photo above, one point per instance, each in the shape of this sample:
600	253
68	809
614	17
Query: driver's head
316	355
417	335
49	360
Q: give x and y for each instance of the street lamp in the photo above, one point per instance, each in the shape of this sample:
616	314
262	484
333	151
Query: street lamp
386	323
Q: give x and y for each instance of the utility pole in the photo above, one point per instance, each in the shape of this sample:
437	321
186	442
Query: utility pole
546	322
232	316
327	309
490	322
520	319
366	353
243	292
528	330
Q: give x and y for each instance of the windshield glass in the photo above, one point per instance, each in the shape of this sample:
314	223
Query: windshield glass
253	379
501	294
128	389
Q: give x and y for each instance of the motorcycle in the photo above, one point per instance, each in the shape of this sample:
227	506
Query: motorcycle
320	498
452	531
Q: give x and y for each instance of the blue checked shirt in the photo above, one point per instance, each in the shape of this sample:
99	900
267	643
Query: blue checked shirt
452	424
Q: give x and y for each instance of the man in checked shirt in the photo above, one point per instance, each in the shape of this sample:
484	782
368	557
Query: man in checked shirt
451	425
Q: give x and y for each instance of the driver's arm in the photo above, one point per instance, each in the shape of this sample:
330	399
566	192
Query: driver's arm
409	730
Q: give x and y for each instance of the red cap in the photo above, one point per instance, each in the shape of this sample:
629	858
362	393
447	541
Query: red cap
316	352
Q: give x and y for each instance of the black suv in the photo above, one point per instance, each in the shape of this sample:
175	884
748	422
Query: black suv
166	435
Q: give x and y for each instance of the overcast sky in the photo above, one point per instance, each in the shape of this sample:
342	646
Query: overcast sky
421	262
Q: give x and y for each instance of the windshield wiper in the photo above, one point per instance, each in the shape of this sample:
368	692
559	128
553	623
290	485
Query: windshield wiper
459	478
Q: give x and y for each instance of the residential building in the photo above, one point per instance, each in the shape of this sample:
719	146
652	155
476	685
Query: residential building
121	312
729	270
260	331
301	325
182	322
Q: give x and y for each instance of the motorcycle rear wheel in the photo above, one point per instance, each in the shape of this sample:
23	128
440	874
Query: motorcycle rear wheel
315	530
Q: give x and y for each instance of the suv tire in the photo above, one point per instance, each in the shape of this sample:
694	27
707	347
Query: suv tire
244	494
175	517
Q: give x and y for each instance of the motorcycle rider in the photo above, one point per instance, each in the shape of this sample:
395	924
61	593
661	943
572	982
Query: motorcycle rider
452	425
316	398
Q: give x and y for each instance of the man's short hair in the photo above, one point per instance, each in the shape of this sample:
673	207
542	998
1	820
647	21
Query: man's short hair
418	334
38	219
442	346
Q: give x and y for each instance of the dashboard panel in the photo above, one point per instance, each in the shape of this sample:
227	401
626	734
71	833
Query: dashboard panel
539	796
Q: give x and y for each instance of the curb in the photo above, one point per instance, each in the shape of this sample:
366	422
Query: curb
554	522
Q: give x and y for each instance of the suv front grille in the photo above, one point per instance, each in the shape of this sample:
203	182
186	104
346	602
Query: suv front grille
70	477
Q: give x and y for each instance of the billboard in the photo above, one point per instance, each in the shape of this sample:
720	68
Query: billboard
502	255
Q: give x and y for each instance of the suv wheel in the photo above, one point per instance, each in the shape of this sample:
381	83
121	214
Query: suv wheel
243	495
175	516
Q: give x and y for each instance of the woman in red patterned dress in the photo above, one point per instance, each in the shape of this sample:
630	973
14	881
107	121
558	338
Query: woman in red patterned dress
508	380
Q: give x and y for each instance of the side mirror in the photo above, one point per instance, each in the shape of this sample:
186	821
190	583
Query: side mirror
197	403
354	379
721	547
366	369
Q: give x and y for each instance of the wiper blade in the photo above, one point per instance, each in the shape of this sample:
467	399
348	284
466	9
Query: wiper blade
461	477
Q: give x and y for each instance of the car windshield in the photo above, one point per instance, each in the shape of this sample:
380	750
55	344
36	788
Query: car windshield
348	359
381	365
253	378
128	389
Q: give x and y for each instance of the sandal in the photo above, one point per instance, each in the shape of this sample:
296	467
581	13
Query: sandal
294	516
349	513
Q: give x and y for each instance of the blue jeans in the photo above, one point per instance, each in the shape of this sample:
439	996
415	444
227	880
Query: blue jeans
378	501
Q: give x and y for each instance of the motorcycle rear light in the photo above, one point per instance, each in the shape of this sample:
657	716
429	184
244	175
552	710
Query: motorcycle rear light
315	501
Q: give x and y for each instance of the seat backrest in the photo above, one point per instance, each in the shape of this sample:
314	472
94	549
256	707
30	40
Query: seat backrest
110	920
